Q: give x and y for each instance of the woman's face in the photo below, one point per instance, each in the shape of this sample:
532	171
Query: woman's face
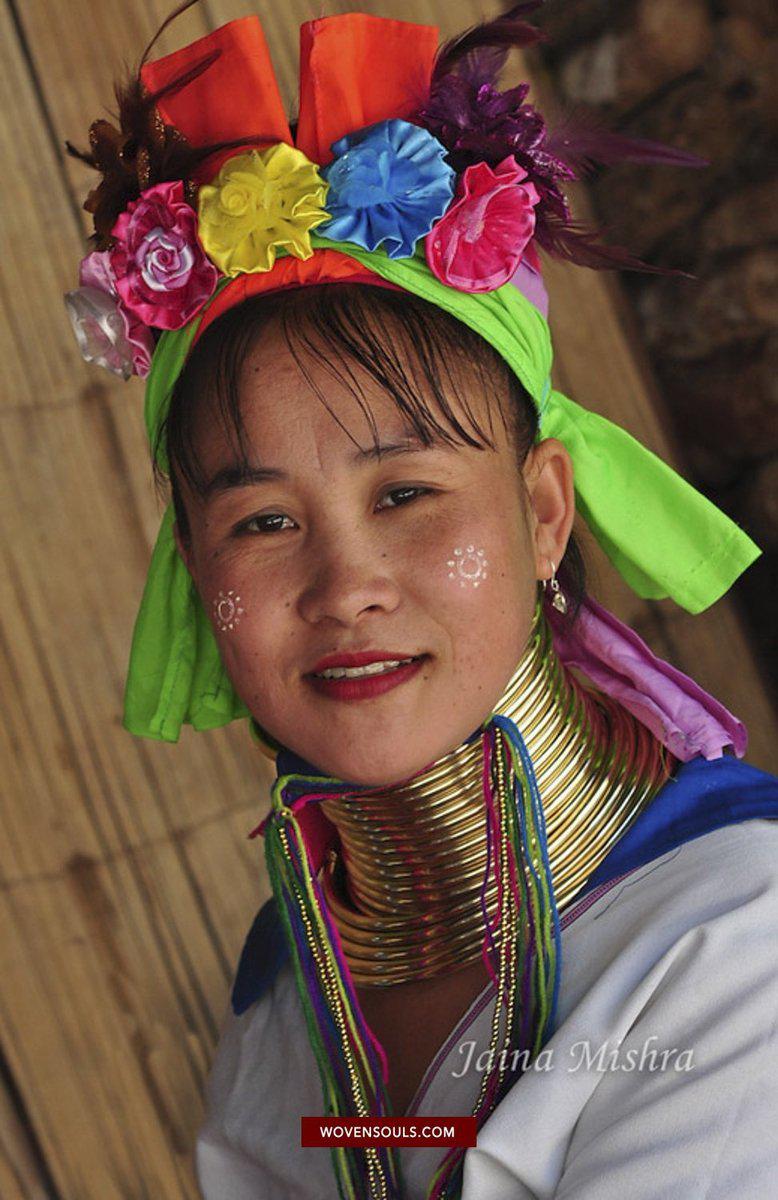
425	553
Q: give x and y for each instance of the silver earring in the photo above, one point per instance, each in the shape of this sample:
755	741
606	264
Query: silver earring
558	597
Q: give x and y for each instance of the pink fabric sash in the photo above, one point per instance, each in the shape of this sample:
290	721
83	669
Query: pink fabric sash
677	710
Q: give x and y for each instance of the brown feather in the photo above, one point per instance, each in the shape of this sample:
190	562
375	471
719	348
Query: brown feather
142	151
181	8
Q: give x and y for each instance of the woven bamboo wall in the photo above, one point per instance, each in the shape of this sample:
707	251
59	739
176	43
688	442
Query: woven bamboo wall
128	882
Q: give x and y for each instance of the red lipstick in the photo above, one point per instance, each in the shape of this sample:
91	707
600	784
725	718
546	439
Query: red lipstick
367	686
359	658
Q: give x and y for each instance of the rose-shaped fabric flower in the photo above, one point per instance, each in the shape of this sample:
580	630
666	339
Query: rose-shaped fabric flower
388	183
478	245
162	274
258	201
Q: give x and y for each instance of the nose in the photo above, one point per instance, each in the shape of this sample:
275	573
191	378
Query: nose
348	577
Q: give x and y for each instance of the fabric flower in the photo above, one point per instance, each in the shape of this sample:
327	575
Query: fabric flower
258	201
100	330
107	333
478	245
96	271
162	274
388	183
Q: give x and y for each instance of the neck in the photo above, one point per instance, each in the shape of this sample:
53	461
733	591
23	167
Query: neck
405	888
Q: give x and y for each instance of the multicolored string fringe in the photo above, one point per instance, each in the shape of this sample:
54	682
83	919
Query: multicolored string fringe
351	1065
520	948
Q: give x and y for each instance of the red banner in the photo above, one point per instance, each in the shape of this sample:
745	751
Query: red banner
388	1131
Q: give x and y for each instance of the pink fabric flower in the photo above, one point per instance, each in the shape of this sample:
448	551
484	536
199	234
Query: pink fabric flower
95	271
133	353
478	243
162	273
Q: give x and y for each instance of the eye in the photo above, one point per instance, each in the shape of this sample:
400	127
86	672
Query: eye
403	495
267	523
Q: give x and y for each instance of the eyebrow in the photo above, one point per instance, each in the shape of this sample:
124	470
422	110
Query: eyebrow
236	475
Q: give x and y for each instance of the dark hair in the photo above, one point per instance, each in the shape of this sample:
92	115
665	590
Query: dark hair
415	351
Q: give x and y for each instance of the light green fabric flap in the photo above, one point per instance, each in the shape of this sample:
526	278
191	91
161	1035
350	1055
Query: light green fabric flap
663	536
176	675
166	365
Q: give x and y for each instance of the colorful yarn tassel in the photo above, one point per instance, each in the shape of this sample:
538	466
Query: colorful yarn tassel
351	1065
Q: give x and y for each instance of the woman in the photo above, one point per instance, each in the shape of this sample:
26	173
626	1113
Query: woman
499	888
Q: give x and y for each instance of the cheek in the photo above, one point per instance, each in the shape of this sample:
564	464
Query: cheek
242	614
487	593
251	625
486	561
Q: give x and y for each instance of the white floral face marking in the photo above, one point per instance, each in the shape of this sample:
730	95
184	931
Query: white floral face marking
468	566
227	611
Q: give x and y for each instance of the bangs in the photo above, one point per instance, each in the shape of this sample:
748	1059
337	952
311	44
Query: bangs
421	357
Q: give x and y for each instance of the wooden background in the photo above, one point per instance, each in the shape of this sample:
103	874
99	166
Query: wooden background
128	882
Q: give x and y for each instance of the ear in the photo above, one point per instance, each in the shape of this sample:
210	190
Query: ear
548	475
183	549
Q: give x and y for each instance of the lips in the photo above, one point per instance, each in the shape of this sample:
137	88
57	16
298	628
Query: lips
360	658
365	687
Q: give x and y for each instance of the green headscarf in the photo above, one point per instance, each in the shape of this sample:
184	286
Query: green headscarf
662	536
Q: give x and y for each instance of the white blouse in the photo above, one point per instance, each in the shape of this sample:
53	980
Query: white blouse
660	1081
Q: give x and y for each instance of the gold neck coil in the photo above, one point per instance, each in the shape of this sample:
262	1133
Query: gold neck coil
404	889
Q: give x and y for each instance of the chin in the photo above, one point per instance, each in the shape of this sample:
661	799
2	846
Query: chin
373	770
391	757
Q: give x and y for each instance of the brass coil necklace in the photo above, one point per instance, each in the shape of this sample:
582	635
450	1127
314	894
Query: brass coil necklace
404	889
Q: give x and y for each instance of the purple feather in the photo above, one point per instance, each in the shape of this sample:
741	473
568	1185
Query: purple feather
483	65
580	139
476	122
573	242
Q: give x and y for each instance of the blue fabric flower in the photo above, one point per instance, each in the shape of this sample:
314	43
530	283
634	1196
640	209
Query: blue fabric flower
388	183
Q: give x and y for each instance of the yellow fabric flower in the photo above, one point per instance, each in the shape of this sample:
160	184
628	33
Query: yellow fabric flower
260	200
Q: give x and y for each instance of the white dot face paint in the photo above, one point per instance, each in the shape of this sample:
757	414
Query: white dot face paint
468	566
227	611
